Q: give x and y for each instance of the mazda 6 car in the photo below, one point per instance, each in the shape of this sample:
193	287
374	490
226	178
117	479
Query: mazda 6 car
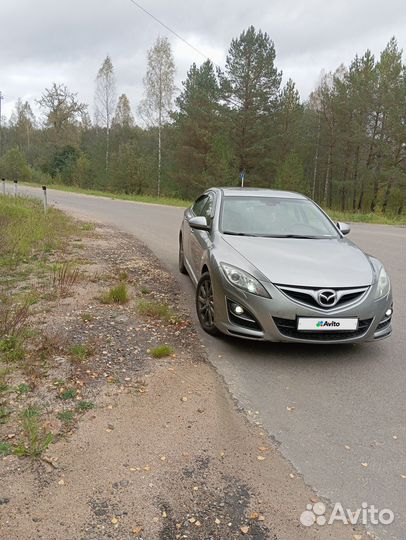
271	265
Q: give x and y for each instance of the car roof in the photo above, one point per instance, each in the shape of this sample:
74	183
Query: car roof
260	192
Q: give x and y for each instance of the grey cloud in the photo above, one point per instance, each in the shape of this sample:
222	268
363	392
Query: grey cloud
46	40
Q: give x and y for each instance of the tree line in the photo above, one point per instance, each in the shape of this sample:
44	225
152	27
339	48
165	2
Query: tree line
344	145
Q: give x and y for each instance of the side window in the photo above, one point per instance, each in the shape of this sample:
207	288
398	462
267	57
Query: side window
198	207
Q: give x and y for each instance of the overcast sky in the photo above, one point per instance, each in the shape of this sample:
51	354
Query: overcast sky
42	41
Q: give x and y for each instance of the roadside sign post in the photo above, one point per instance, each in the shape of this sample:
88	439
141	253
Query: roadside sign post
15	188
3	182
44	191
242	178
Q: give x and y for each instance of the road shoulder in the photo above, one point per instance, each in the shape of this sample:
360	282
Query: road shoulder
163	452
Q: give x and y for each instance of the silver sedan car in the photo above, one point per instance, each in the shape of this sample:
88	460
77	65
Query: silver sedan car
271	265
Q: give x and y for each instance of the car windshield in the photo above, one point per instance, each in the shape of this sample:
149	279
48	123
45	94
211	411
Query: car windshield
274	217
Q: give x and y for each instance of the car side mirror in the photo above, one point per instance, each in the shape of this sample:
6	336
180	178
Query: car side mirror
344	227
199	223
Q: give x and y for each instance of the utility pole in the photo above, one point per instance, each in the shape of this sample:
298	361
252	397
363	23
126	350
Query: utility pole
1	127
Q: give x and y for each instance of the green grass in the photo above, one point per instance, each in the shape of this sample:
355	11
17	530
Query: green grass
123	276
157	310
149	199
27	232
86	317
116	295
23	389
4	414
35	439
12	349
68	394
67	417
31	298
4	372
85	406
5	449
88	226
145	290
161	351
81	351
365	218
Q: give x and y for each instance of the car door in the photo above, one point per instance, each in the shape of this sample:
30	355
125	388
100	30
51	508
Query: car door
194	210
200	241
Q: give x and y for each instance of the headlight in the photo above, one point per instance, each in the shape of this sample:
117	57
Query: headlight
383	284
243	280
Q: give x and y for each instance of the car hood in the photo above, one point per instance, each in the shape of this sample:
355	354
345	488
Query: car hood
332	262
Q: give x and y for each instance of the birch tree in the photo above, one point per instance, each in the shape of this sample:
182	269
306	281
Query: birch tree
105	101
23	121
159	89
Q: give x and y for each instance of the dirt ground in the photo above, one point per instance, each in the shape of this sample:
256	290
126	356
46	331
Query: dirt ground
165	453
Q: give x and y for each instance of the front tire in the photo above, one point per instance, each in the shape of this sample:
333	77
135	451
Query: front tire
182	267
205	305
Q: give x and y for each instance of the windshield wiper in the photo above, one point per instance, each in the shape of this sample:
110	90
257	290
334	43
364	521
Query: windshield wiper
278	235
238	233
293	236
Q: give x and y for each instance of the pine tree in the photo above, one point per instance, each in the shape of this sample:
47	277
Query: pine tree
250	87
287	125
123	116
202	152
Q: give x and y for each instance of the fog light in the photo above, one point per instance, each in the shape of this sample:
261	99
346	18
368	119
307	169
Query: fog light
238	310
389	312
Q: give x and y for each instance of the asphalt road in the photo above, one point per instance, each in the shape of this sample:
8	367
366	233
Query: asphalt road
343	396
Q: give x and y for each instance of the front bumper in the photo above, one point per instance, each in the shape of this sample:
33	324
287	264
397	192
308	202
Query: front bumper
277	316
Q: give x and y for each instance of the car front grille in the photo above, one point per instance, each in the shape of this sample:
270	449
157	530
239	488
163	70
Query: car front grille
288	328
309	296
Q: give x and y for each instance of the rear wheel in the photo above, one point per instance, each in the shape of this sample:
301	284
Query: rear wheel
182	267
205	304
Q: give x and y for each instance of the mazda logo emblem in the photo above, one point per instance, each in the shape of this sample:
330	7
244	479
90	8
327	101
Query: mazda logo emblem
327	297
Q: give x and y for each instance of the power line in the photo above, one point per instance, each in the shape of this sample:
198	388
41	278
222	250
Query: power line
172	31
230	100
